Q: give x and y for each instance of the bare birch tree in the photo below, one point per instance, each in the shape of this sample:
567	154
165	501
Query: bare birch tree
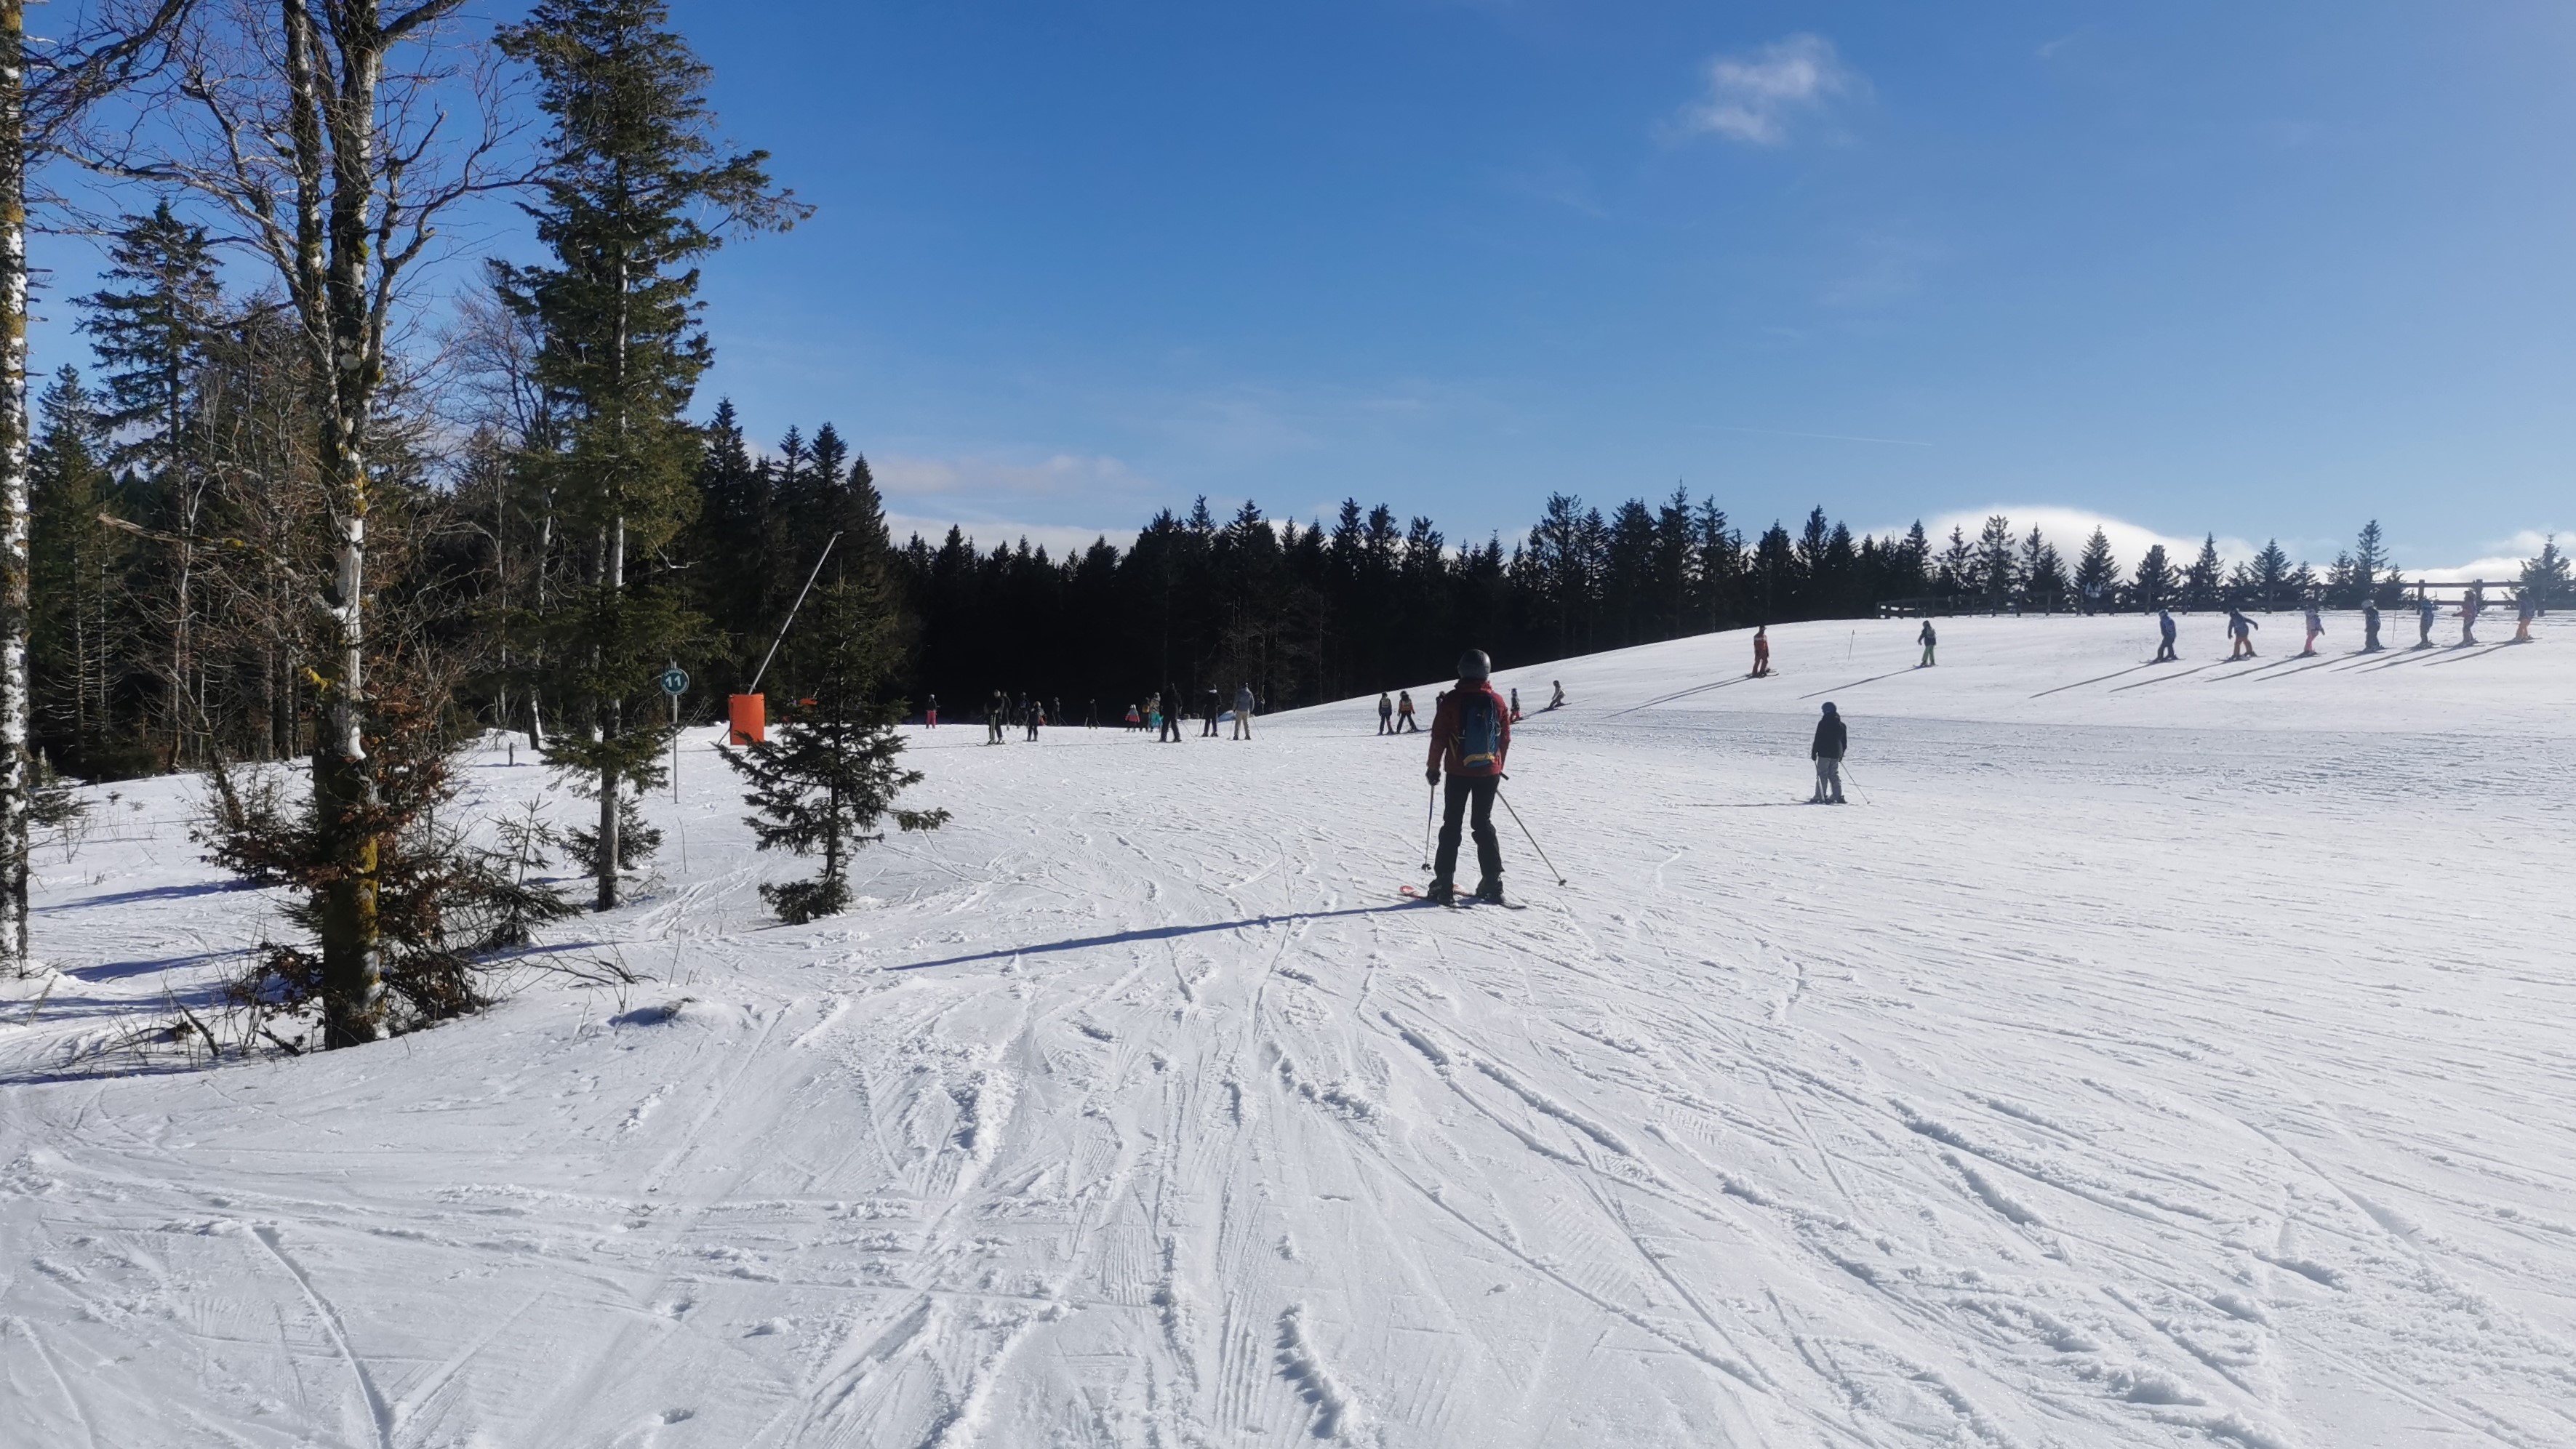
329	137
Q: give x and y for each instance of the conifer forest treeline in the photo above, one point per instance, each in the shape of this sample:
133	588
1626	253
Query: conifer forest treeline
288	511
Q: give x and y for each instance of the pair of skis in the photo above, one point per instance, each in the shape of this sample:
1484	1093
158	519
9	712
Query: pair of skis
1456	903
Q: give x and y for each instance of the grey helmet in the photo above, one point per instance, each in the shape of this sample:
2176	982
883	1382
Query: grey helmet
1473	667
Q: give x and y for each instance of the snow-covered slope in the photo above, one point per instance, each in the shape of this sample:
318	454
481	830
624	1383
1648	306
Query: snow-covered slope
2151	1055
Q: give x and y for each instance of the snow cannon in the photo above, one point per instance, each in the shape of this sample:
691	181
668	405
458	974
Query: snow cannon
748	717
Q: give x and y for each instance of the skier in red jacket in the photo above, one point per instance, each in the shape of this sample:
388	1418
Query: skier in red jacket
1470	734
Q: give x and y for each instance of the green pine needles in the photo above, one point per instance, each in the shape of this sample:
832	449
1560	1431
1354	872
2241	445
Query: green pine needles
831	771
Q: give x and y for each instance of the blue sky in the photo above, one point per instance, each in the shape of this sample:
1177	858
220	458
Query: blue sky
2263	270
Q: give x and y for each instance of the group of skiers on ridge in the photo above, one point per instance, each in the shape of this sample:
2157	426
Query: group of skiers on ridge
1161	714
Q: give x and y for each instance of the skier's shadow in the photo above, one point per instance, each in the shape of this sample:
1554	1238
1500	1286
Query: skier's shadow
1156	933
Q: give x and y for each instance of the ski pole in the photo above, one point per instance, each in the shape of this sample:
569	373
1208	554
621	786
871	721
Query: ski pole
1428	805
1855	784
1533	840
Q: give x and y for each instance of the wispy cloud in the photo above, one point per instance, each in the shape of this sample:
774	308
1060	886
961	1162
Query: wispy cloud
1754	96
1061	475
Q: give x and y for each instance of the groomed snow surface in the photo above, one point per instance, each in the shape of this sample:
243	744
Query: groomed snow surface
2149	1055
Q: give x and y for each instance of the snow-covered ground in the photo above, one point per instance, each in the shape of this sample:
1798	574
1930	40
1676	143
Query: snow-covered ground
2151	1055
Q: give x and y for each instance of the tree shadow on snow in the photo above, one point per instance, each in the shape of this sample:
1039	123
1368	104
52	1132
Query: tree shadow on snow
156	893
1157	933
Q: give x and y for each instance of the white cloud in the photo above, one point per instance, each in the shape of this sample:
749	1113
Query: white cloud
2068	528
1753	96
1062	475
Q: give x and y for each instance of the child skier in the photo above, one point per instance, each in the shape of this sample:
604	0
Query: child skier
1385	715
2238	629
1405	722
1927	639
1827	751
2471	604
2165	638
2525	610
2370	628
2316	627
1243	705
1470	734
2423	621
1761	650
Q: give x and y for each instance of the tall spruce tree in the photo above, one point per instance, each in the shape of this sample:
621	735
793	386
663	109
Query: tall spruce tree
75	561
634	189
150	329
2200	583
2545	576
2152	587
2097	573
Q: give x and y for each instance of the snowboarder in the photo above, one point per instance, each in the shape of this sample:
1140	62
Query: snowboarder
2525	610
1385	714
1243	707
1405	722
1556	699
1761	650
2423	621
2370	629
2239	630
2472	604
1516	704
2316	627
1171	715
1210	711
2165	638
1827	751
1927	639
930	713
1470	735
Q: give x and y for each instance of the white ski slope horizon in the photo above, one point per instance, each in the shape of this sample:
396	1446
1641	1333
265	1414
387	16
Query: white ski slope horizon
2151	1055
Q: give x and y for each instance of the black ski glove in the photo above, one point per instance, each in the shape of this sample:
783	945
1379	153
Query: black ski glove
1431	776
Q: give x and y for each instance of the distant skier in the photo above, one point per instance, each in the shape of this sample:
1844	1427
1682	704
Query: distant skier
2240	630
2473	603
1827	751
1927	639
1761	650
2316	628
1210	711
2525	610
1385	715
2424	610
2165	638
1556	700
1516	704
1470	735
1405	722
1031	714
1243	707
1135	719
1171	715
996	710
2370	629
930	713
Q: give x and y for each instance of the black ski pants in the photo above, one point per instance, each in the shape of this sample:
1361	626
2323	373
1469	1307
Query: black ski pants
2165	653
1489	850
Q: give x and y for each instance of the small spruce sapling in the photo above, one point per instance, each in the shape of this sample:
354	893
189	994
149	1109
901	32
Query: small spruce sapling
829	773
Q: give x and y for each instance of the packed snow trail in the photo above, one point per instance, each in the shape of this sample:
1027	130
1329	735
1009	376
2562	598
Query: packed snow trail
2186	1065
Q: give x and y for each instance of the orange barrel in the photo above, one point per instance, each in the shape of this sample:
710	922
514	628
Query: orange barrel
750	716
